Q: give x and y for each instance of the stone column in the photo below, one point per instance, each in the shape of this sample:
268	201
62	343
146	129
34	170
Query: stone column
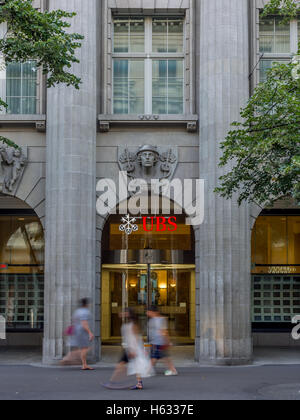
71	184
224	335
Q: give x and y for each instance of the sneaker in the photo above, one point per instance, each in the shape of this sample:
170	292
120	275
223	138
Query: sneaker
170	373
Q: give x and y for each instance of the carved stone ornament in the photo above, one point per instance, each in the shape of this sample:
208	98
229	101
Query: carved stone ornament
12	165
148	162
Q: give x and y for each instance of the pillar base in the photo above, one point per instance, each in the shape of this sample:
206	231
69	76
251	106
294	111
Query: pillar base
226	362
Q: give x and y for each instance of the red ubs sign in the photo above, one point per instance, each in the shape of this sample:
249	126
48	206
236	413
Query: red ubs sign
160	224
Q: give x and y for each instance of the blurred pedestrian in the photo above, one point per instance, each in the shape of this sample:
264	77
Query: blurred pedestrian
81	335
134	358
160	340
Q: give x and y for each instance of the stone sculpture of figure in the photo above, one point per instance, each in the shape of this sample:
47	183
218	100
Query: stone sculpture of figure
12	163
17	163
148	162
147	157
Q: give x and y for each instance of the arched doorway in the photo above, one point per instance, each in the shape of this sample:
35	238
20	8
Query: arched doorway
275	276
21	273
150	266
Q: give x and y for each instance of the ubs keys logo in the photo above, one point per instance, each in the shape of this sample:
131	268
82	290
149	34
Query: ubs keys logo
2	328
295	331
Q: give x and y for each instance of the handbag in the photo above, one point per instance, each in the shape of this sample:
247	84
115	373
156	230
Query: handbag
69	331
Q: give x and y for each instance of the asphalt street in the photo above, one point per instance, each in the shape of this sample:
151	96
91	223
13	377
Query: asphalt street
216	383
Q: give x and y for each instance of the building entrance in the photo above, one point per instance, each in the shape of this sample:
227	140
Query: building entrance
169	287
148	268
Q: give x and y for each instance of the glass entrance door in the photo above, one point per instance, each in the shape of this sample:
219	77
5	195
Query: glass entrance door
170	288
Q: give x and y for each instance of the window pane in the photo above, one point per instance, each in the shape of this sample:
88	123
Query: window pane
176	89
13	87
121	35
175	68
137	106
167	35
278	309
129	35
167	87
175	36
136	88
266	35
175	106
282	37
129	86
29	88
21	87
120	106
137	69
160	87
14	105
160	105
121	68
28	105
274	36
270	240
294	240
160	35
29	70
120	88
266	65
137	35
13	70
160	68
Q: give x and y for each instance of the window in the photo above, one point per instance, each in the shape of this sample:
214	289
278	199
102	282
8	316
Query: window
274	36
266	65
148	66
21	88
276	242
22	283
278	41
275	299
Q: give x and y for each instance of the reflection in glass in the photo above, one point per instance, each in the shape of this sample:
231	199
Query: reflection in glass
274	36
22	284
167	35
276	241
167	87
294	240
129	35
129	86
21	88
266	65
172	289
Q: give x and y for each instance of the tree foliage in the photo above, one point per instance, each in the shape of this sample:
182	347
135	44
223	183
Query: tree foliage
40	36
262	151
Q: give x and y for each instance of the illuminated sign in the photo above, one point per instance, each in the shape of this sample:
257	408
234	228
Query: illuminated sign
282	270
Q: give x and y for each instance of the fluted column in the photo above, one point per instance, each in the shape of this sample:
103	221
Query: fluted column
70	184
224	335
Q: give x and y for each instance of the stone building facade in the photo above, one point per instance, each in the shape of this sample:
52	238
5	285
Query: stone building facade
74	140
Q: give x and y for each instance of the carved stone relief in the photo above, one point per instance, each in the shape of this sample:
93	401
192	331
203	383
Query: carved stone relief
148	162
12	165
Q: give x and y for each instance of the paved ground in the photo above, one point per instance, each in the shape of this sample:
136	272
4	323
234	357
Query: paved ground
183	356
232	383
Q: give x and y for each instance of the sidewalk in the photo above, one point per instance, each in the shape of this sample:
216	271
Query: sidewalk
183	356
193	383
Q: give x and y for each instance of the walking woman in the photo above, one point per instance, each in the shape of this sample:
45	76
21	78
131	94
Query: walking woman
82	336
133	355
139	364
